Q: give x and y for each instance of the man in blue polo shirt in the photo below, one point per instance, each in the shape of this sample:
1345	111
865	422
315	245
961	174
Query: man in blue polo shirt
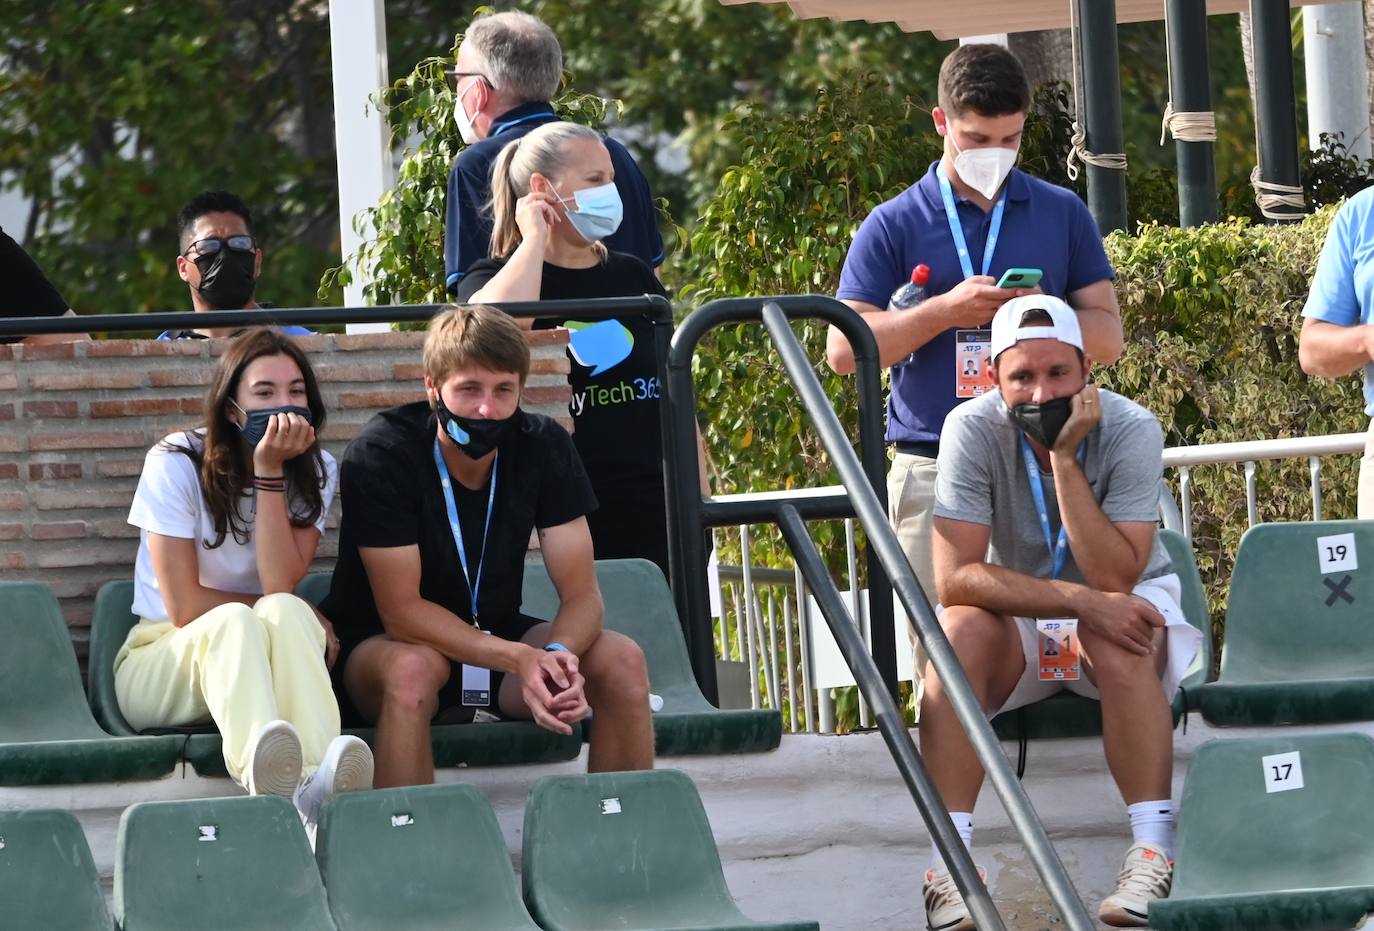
1338	321
508	69
970	218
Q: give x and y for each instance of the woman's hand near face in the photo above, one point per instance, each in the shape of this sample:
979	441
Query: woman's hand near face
536	214
288	436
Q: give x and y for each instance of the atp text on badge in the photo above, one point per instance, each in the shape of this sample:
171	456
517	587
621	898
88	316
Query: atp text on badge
973	363
1336	553
1059	655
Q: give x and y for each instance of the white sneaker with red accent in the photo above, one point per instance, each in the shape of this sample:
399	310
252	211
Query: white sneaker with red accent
945	909
1146	874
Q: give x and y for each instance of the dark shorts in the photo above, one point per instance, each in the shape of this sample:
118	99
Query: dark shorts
451	709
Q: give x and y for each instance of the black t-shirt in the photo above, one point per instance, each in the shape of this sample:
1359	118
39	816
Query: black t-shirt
392	497
27	292
615	374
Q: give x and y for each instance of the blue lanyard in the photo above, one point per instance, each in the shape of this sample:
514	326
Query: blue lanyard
956	229
474	585
1059	549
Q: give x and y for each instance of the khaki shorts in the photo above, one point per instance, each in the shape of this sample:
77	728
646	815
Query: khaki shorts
911	511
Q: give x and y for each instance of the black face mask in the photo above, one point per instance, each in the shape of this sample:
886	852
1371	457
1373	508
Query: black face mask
1043	422
226	278
254	426
474	438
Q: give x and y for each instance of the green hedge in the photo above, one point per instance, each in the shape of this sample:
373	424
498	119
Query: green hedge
1212	318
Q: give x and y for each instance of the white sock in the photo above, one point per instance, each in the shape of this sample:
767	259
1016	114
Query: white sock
963	823
1153	823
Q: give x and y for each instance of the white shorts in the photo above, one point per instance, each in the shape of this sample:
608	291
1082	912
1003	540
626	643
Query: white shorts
1182	639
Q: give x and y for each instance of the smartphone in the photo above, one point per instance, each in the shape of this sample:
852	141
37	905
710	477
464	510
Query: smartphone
1020	278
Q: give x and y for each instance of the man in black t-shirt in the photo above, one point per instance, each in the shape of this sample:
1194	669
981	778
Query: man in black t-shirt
29	293
439	500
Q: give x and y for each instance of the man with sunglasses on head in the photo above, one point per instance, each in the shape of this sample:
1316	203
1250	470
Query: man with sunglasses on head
509	67
219	260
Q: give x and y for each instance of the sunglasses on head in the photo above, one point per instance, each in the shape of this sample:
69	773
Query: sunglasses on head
215	243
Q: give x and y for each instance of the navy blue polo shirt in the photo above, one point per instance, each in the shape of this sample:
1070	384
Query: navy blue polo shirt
467	234
1044	226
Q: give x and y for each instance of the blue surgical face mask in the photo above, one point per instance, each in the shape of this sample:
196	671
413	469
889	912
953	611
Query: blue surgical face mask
254	426
598	212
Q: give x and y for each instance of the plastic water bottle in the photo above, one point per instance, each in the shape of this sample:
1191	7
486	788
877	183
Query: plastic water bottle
909	295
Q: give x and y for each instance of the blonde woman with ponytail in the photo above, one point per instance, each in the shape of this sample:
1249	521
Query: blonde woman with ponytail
553	201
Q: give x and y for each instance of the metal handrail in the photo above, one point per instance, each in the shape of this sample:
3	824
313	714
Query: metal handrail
883	540
689	513
655	307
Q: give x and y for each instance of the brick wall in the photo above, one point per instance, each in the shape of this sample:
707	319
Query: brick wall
76	420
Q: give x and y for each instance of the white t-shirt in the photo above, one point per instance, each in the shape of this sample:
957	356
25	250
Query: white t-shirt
169	501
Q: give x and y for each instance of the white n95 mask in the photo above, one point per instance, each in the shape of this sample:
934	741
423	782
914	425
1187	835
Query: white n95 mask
984	170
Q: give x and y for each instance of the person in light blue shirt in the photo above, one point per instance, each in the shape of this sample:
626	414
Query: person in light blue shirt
1337	335
220	260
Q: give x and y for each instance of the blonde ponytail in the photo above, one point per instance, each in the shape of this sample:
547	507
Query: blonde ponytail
505	235
542	150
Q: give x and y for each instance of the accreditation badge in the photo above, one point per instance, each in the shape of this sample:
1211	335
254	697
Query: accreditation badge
1059	655
972	363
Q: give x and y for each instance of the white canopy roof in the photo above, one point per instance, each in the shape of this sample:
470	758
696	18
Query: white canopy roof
953	19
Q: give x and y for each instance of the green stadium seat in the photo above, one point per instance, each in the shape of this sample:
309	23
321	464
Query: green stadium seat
627	850
47	734
1250	859
490	744
639	604
429	858
1068	715
1299	644
47	877
217	864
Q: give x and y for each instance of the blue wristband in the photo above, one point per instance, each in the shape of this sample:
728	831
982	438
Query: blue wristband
556	648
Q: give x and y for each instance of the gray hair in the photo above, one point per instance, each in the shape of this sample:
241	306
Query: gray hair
518	54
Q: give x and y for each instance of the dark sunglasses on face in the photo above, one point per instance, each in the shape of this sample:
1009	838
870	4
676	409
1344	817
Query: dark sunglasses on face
454	76
215	243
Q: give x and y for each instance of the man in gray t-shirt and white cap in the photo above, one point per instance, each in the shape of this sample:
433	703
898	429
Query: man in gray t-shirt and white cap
1051	578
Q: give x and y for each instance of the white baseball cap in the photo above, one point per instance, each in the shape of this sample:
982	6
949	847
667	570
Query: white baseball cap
1007	330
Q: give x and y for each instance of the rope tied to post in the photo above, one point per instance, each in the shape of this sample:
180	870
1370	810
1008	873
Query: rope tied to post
1270	196
1188	125
1078	141
1183	125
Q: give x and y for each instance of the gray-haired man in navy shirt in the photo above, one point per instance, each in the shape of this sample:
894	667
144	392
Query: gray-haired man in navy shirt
971	217
509	67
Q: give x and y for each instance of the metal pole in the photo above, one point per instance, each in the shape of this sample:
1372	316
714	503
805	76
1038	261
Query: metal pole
883	541
890	722
1276	119
1337	77
1101	82
1190	89
692	513
357	49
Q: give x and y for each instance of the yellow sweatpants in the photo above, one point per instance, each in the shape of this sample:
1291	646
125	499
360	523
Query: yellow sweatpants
237	666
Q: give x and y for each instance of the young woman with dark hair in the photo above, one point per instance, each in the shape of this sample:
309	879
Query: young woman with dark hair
230	515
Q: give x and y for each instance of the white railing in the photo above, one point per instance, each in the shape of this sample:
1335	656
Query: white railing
765	623
1249	454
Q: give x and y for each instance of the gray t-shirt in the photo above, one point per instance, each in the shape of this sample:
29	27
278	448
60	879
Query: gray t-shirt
981	479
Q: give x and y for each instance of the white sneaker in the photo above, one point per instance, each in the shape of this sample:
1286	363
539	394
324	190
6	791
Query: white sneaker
347	765
1146	874
274	761
945	909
